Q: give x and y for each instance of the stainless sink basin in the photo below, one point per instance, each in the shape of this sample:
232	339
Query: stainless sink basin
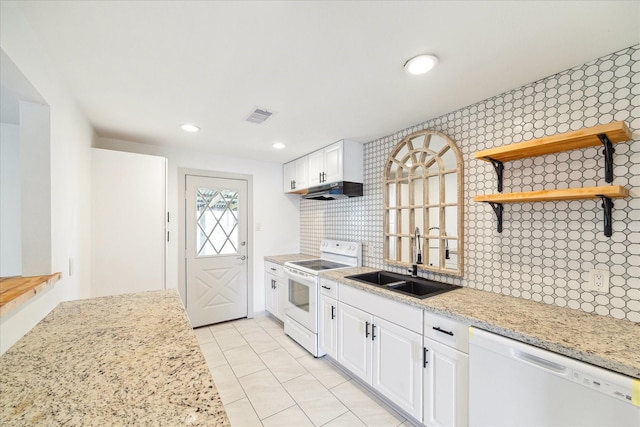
417	287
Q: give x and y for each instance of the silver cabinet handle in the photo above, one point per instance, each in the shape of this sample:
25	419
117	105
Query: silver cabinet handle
243	257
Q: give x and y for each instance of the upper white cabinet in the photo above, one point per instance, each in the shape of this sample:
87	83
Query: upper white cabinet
296	175
340	161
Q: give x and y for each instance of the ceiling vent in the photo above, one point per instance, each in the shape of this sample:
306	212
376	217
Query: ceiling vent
259	116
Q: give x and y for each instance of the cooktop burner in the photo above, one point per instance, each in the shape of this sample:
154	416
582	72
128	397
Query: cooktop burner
319	264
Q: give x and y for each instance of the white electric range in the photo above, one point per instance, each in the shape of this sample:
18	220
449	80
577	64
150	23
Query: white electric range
301	306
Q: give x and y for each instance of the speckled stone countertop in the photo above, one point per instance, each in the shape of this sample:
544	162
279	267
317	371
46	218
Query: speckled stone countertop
598	340
281	259
120	360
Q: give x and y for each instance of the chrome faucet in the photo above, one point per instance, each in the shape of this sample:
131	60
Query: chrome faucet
446	242
417	253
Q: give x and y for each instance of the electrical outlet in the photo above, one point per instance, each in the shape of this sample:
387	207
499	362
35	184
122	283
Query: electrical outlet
599	280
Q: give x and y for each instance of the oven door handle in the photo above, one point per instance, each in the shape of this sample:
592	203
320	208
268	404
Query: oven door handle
300	277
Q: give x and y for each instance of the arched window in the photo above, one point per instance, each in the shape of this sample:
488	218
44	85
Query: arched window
423	198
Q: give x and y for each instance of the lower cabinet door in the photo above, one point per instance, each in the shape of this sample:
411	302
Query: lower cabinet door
270	294
328	326
397	365
446	387
354	341
280	296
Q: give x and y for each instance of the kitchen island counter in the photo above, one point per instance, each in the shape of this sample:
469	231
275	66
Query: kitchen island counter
599	340
120	360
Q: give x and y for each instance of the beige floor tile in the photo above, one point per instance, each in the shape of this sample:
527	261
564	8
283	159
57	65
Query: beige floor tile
204	335
314	399
292	417
227	384
345	420
244	361
222	326
324	371
241	414
366	406
282	365
265	393
292	347
275	331
212	354
268	322
247	325
260	341
228	338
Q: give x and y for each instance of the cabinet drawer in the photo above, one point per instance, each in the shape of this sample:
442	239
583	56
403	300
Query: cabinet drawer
273	268
446	331
329	288
384	308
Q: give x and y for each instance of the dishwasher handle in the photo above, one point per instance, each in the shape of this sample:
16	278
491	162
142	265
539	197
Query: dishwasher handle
539	361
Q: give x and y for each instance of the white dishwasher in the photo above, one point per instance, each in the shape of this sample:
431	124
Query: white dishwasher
516	384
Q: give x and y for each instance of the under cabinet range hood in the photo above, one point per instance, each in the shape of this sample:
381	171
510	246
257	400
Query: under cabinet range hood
334	191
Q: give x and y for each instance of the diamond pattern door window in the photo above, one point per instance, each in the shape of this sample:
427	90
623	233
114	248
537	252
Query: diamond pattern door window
217	222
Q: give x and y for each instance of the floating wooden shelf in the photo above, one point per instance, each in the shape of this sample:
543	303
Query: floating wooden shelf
605	135
583	138
605	193
611	191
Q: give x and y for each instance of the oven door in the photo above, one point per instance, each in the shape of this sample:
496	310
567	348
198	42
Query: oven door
302	298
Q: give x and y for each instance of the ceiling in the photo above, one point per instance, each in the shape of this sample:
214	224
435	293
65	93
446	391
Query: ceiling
328	70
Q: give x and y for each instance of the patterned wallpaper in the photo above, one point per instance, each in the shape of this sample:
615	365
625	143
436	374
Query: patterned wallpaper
546	249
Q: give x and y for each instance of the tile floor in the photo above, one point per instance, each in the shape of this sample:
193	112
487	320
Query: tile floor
266	379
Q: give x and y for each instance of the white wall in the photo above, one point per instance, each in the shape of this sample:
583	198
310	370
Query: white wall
35	178
128	202
10	223
71	137
276	213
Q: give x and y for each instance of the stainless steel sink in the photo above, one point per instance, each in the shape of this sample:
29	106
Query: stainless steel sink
417	287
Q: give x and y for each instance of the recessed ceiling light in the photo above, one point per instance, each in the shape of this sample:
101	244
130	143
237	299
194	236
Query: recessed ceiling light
187	127
421	64
278	146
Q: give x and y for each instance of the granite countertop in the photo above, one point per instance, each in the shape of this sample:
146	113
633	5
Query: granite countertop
119	360
281	259
598	340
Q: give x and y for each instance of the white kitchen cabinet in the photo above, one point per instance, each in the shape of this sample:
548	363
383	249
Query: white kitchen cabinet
316	168
275	289
397	365
355	347
385	349
328	326
340	161
446	373
295	175
328	318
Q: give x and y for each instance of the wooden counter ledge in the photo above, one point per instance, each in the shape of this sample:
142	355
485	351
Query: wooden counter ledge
17	290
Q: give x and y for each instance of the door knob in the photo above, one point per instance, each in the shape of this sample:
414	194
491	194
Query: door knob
243	257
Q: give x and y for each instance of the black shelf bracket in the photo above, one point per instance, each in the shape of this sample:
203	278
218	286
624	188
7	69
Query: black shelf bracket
608	157
499	167
607	206
498	209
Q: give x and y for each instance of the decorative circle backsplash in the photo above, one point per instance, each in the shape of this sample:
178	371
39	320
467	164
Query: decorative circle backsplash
546	249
